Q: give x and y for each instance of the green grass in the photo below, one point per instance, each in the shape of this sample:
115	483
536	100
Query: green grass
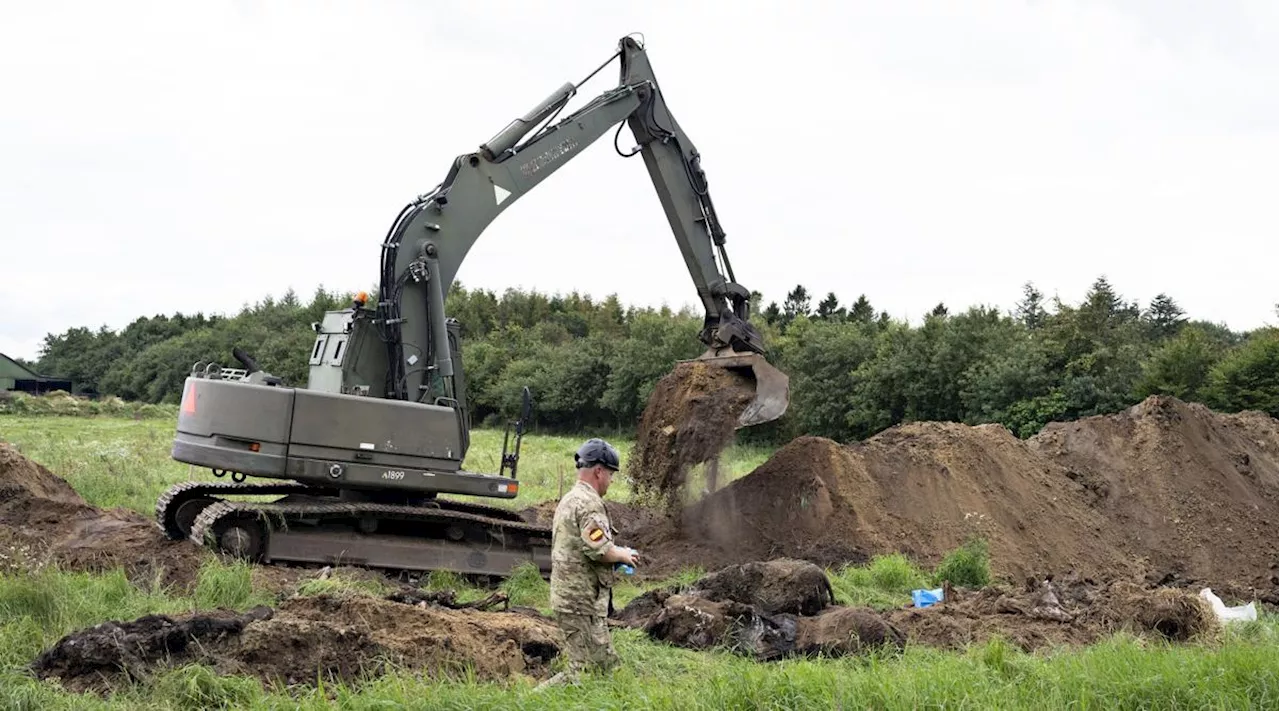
36	609
968	565
124	462
1238	671
885	582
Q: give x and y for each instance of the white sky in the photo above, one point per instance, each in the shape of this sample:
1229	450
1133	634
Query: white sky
175	156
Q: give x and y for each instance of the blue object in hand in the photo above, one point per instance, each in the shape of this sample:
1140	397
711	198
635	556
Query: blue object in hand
624	568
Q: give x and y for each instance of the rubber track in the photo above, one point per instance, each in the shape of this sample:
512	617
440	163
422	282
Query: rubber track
179	493
218	511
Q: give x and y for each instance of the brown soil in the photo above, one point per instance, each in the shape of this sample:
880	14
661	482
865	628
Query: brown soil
326	637
690	418
1049	614
1165	489
920	489
43	520
1193	491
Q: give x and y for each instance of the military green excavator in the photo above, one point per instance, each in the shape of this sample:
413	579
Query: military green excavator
360	456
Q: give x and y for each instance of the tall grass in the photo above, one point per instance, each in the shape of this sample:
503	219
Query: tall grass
969	565
37	609
885	582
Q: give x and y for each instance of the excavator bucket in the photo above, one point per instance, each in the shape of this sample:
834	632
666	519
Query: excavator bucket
773	387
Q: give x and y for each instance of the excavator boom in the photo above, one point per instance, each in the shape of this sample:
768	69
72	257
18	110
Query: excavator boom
434	233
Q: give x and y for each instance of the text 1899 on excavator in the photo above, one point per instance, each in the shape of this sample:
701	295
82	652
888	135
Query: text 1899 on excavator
382	428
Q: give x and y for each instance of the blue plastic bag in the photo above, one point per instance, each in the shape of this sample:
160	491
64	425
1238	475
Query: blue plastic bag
925	598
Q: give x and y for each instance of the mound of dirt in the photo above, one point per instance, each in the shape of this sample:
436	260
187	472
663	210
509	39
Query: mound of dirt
326	637
1192	491
920	489
689	420
42	520
1167	485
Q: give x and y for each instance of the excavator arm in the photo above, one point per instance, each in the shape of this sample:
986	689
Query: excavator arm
430	238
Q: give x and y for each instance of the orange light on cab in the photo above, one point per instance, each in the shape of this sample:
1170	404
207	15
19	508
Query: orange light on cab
189	399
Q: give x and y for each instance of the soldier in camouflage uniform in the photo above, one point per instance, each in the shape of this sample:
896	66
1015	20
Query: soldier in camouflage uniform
583	556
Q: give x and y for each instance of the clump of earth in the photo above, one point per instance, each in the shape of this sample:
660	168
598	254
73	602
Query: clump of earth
690	418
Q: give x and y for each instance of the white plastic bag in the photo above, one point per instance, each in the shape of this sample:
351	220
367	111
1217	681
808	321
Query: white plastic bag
1229	614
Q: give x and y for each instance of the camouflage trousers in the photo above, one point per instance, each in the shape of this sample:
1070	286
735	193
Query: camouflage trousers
587	643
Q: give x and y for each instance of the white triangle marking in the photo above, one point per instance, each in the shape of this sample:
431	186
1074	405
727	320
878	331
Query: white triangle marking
500	194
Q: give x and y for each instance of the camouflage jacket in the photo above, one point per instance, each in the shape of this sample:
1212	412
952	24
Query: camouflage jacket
580	535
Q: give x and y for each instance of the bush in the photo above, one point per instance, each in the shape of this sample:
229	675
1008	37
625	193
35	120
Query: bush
967	566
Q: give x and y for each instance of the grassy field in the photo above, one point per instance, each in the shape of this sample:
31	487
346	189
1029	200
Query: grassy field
124	462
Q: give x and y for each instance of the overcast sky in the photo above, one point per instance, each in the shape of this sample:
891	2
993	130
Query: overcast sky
181	157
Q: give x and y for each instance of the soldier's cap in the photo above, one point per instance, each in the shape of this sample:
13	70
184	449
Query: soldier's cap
597	451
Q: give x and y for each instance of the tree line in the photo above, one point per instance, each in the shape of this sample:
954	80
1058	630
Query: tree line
591	364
